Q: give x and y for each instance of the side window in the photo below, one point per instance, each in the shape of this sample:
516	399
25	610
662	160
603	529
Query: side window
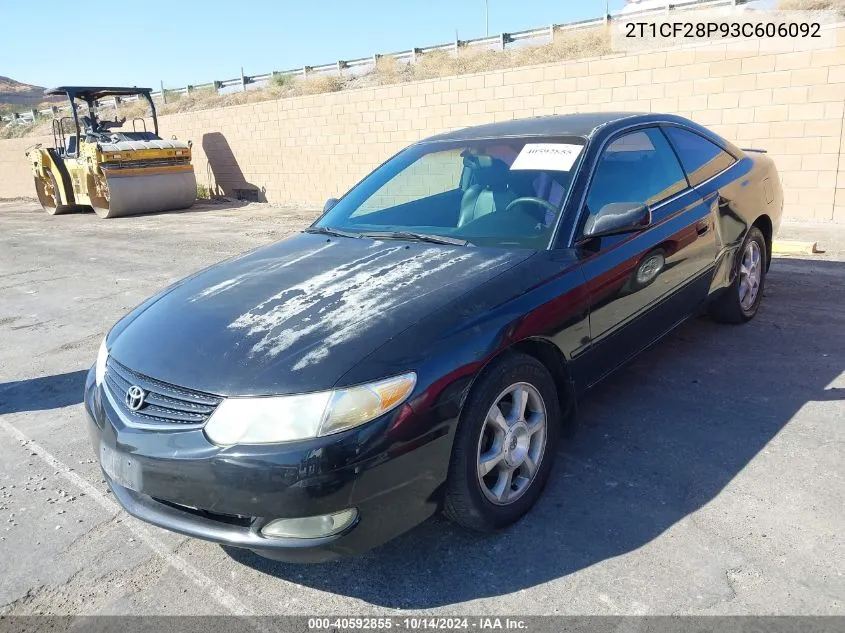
637	167
701	158
433	173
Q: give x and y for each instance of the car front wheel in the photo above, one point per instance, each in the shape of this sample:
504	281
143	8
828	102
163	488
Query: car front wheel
505	444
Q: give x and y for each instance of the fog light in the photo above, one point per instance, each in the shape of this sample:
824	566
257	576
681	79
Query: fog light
310	527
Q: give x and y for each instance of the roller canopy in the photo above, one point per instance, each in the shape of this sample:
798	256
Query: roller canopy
89	93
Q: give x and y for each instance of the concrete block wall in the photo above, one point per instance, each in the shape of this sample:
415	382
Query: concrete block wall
15	173
303	150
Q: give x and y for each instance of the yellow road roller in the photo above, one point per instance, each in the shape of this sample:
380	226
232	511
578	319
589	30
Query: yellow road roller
118	168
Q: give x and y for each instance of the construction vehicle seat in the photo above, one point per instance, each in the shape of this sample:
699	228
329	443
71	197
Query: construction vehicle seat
70	145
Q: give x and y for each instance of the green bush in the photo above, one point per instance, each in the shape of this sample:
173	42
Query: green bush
282	81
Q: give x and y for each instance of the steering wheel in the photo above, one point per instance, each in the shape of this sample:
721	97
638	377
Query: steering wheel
543	203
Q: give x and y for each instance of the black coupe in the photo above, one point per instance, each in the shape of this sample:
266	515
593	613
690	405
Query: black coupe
420	346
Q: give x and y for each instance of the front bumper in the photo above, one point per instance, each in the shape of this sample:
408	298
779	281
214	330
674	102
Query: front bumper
183	483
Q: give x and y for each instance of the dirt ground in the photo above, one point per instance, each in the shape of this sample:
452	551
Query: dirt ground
705	478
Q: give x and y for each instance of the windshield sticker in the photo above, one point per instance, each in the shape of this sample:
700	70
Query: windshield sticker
549	156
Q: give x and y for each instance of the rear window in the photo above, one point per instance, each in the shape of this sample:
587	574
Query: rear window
700	157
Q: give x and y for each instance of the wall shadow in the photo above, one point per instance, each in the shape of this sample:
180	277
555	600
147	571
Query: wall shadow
225	174
656	442
42	393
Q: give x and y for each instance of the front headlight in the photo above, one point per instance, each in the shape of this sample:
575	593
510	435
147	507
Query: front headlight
100	368
276	419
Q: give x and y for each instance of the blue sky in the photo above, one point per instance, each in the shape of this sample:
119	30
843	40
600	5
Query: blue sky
181	41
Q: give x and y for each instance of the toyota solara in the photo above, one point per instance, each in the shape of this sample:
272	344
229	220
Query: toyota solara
422	344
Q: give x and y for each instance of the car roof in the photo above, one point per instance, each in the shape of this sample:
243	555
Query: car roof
97	92
582	124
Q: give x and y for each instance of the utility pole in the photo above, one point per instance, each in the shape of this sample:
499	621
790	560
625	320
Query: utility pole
486	19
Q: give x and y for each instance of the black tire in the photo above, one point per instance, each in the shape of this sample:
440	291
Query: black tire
465	503
50	202
727	307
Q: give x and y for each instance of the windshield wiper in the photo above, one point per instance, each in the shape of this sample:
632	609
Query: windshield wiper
327	230
418	237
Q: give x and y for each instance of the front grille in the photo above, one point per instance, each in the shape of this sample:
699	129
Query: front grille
165	405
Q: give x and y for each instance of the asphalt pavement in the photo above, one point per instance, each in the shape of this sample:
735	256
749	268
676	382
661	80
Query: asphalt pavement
704	478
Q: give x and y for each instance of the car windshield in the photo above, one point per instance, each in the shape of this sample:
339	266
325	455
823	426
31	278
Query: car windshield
505	192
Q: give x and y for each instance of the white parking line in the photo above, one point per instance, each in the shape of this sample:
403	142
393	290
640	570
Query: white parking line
223	598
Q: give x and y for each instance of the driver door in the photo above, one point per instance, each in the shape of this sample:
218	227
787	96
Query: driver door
644	282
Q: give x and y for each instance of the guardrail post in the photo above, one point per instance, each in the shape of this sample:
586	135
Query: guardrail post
163	93
306	70
217	85
340	66
414	53
188	89
243	80
376	57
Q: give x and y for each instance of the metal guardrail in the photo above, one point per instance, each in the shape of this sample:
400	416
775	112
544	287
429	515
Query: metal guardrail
501	41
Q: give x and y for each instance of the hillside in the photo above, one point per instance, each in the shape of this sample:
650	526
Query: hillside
17	93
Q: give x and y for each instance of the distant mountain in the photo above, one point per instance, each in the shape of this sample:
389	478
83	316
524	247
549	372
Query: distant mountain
16	93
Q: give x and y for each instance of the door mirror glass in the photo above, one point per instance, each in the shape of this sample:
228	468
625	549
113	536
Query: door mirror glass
329	204
618	217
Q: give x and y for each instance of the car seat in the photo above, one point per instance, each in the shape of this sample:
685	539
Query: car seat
489	192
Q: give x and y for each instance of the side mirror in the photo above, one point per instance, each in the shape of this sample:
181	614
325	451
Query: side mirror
329	204
618	217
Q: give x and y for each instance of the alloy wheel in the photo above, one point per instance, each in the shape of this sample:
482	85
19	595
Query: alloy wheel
512	443
750	274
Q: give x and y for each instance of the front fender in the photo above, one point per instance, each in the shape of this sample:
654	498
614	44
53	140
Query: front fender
541	300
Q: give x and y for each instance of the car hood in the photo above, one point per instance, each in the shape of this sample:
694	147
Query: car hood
295	316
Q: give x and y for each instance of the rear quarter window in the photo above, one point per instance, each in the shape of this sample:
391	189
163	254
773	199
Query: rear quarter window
700	157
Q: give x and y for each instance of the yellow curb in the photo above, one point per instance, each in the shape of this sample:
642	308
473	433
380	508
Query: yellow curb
794	247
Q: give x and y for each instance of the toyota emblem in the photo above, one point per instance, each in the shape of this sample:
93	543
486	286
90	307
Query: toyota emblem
135	397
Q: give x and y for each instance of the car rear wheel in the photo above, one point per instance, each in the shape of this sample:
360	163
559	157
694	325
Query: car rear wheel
504	446
740	302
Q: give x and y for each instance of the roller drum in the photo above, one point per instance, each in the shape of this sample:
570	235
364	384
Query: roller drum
148	193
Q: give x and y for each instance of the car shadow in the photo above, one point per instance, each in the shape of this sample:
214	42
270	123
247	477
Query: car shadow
42	393
655	442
